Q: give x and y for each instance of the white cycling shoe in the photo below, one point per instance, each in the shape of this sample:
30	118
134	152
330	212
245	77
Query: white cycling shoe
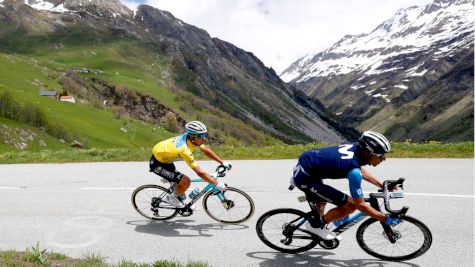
174	201
322	232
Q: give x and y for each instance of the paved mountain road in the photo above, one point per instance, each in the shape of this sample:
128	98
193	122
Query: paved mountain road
84	208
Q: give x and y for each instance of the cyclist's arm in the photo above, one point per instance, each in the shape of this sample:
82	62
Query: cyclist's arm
370	178
190	160
354	178
210	154
204	175
366	208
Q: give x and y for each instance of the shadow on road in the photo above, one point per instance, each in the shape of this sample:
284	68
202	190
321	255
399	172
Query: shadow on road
316	258
177	227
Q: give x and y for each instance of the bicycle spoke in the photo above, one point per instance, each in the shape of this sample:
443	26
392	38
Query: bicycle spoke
143	197
412	239
236	206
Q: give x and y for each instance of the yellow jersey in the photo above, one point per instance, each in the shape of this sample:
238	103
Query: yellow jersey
174	149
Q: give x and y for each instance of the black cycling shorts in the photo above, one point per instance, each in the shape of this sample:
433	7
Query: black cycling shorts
165	170
316	191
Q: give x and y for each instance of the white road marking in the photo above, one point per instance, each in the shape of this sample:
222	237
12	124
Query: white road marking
133	188
409	194
439	195
107	188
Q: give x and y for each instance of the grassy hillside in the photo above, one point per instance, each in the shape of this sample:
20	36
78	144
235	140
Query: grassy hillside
31	63
400	150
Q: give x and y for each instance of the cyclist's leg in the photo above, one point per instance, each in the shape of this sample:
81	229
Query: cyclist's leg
317	191
341	210
321	207
169	172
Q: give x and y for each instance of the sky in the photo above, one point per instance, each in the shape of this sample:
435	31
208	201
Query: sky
279	32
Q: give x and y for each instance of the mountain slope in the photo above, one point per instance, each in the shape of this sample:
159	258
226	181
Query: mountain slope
402	77
181	66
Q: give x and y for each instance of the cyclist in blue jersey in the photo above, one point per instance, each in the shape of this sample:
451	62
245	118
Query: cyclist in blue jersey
344	161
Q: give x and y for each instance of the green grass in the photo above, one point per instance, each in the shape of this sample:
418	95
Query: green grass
35	256
31	63
400	150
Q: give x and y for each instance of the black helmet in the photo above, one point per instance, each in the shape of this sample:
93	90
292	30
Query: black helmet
374	142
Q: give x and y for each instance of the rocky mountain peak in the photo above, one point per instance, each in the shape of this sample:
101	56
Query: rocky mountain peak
95	6
401	63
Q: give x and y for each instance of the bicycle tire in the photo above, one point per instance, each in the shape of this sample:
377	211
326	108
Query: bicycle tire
243	206
142	202
415	238
270	227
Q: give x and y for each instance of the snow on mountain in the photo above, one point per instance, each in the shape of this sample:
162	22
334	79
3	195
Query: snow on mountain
409	30
113	8
45	5
405	78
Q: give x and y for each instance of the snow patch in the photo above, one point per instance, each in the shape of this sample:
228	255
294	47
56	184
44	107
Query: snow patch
385	97
358	86
402	86
47	6
413	72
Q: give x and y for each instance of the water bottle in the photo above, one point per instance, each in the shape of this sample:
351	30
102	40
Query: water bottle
194	193
341	221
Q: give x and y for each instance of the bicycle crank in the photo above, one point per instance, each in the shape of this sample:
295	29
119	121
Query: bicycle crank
329	244
185	212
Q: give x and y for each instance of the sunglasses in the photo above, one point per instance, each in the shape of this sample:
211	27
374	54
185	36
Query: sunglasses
382	155
202	135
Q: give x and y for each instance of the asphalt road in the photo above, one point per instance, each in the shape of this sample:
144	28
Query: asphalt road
80	209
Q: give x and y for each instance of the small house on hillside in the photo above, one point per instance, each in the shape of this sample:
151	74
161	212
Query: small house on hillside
50	94
67	98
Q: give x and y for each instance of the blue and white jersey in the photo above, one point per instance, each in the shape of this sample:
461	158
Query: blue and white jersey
334	162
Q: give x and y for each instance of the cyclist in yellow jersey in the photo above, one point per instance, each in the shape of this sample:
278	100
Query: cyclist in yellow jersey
181	148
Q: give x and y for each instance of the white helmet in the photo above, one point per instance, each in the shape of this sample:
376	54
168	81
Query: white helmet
195	128
375	142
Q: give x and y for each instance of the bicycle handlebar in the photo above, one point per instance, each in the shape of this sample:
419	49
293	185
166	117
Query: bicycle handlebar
388	185
221	171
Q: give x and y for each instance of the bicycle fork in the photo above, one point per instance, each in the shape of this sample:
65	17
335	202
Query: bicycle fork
388	231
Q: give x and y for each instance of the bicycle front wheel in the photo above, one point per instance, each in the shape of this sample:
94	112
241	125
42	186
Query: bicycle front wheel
148	201
232	206
413	238
279	229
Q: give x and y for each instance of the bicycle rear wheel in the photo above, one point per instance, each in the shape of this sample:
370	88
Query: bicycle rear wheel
235	207
148	201
278	229
413	238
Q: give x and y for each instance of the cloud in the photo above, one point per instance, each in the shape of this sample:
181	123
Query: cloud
281	31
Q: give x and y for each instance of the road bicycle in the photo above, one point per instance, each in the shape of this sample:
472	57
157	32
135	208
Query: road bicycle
231	207
281	229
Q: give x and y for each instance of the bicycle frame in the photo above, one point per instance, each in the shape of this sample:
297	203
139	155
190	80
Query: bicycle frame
203	191
220	172
359	216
